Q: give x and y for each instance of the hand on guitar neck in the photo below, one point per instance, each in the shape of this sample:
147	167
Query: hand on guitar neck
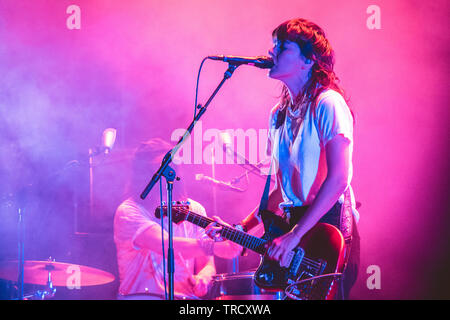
223	248
279	249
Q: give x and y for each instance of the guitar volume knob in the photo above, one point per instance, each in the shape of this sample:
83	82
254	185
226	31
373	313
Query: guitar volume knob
266	277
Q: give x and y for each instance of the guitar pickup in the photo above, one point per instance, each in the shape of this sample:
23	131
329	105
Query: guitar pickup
299	253
286	262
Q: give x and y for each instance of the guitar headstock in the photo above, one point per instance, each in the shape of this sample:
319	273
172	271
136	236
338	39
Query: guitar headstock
179	210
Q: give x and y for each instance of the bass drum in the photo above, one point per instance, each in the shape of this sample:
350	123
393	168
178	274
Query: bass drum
240	286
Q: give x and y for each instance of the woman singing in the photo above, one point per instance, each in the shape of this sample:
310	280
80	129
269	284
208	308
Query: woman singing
311	144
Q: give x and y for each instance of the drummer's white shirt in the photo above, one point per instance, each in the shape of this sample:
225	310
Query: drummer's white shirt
298	148
141	270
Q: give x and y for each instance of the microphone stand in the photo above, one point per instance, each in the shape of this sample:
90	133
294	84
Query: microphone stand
21	249
169	174
22	199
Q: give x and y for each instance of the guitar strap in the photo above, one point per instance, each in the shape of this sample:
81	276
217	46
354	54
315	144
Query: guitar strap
346	225
265	196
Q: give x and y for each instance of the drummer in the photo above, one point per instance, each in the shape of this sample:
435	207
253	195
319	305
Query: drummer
138	238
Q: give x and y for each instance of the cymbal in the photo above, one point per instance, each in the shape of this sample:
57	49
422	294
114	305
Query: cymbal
62	274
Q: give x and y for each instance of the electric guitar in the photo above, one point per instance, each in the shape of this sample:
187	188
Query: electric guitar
320	252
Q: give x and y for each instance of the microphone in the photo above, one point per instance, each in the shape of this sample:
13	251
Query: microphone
262	62
226	185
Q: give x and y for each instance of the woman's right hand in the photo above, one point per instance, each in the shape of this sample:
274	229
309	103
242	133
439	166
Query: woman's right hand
222	248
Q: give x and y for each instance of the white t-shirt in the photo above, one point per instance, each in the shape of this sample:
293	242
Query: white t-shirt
141	270
298	148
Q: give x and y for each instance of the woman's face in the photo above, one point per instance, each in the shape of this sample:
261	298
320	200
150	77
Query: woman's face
289	63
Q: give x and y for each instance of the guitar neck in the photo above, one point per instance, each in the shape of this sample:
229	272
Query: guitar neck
242	238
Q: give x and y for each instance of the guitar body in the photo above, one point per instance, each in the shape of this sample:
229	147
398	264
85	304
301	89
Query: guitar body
320	251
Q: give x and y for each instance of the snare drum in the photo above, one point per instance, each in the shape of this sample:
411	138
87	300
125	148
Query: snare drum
240	286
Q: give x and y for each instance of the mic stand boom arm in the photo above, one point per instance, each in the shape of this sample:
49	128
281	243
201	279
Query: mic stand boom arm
169	174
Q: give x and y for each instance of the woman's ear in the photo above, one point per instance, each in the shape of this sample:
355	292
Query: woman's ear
309	62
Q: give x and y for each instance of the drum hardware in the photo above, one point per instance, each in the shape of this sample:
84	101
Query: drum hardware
49	291
240	286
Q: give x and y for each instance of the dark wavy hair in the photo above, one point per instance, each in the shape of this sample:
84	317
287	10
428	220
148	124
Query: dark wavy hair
315	47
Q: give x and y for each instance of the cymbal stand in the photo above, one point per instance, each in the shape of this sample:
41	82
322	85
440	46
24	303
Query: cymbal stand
50	290
21	246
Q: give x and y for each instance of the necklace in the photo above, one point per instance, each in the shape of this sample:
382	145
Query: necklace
297	114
